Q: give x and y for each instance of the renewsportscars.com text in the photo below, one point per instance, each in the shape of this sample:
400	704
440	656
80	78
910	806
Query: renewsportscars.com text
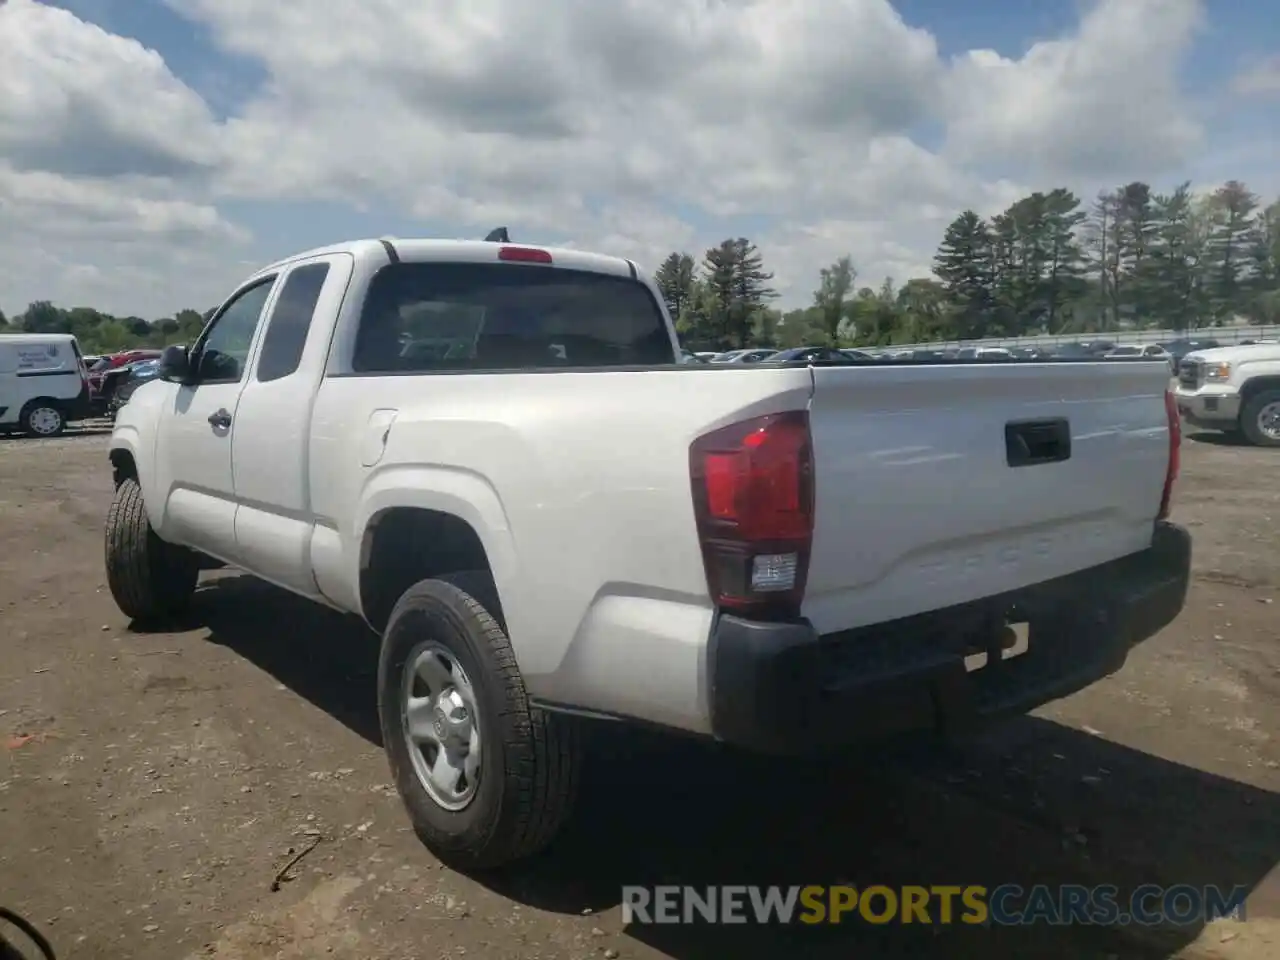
1005	905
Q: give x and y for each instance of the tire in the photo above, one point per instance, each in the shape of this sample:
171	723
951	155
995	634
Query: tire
529	759
151	581
1252	415
42	418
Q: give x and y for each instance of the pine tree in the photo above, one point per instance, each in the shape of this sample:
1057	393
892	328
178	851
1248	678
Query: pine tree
965	267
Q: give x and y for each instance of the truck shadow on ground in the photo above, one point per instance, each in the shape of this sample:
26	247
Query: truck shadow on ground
1217	439
1034	802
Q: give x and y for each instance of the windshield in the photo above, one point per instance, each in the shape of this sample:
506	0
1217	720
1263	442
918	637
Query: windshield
501	316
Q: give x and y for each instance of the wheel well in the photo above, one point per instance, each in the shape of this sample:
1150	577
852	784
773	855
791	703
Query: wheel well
45	401
1255	386
122	466
406	544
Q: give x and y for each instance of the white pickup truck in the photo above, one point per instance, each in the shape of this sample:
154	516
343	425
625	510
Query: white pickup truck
1233	389
492	454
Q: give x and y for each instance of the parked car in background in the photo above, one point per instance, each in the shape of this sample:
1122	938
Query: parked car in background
746	355
1031	353
1072	351
111	381
105	364
1233	389
1178	349
43	383
810	355
856	354
924	356
1149	351
135	375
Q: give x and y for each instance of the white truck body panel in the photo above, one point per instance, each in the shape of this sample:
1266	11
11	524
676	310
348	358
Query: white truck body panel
918	510
577	483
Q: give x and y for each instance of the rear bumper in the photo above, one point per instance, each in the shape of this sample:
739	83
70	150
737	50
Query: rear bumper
781	688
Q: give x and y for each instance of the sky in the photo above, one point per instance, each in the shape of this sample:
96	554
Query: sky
155	152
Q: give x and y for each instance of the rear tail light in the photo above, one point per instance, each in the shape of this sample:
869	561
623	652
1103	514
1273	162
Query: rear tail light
753	499
524	255
1175	453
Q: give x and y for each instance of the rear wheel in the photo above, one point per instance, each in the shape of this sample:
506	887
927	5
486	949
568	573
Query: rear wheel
42	418
1260	418
151	580
487	779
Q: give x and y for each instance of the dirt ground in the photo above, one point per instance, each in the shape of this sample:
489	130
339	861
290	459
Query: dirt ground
168	777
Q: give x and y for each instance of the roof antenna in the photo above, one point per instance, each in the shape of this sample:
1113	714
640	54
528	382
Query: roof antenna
498	236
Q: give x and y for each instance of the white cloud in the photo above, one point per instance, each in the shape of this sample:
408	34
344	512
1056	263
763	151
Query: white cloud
625	126
1260	79
101	150
1103	103
76	99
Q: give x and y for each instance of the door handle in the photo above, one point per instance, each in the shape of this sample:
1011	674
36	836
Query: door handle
1029	442
220	419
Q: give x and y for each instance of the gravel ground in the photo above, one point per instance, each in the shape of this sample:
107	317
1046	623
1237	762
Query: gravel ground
152	785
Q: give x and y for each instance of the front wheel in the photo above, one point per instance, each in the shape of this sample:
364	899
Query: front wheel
1260	419
151	580
43	418
487	779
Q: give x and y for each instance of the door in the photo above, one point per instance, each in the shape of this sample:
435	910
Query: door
8	384
194	442
270	448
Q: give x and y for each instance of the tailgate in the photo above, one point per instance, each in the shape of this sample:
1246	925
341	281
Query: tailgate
919	507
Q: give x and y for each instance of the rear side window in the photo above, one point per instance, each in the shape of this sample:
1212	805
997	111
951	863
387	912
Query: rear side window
290	321
422	317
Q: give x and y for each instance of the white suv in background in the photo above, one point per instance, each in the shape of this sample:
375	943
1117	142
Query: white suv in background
1233	389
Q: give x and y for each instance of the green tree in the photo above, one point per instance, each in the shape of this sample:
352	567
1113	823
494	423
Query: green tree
1134	238
1264	302
1177	259
965	266
1232	210
1062	282
1098	236
738	288
675	281
834	286
43	317
922	311
800	328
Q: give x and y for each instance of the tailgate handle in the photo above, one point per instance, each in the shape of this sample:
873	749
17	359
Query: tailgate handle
1028	442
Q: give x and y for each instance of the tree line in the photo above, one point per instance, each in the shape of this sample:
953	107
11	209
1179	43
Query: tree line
100	333
1132	258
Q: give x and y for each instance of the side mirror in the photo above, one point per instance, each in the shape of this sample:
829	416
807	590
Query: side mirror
175	365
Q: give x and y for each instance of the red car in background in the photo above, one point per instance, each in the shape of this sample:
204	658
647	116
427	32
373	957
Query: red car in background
99	400
105	364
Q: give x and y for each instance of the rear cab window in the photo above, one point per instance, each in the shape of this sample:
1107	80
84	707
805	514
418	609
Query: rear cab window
425	317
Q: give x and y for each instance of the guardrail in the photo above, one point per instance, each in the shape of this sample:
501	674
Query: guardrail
1224	335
